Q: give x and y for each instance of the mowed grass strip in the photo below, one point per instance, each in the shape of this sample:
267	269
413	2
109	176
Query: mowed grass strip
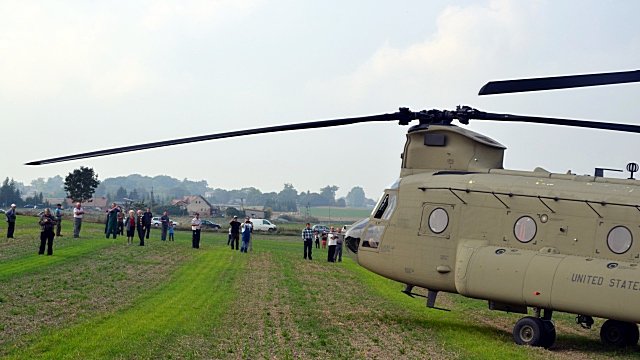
94	284
27	239
64	252
188	303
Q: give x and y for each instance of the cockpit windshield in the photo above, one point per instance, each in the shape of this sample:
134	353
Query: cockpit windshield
386	205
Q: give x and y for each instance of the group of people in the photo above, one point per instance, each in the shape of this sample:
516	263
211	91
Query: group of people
236	228
133	221
140	222
334	238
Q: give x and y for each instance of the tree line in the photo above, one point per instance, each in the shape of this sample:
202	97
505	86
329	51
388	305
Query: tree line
160	190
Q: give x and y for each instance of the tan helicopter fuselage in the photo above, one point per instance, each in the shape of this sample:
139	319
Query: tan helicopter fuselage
458	222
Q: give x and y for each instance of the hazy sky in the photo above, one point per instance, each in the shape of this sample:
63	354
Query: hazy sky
78	76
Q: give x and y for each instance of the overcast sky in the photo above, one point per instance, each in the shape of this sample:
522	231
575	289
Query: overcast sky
77	76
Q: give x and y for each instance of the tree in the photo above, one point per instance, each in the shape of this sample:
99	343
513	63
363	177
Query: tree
328	194
231	211
9	194
121	193
355	197
81	184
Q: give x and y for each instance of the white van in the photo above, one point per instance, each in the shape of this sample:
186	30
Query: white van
263	225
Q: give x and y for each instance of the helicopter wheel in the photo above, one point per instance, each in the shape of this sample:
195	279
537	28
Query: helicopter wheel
619	333
549	334
530	331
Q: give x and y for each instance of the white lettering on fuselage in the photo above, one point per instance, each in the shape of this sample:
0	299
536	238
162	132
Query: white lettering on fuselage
614	283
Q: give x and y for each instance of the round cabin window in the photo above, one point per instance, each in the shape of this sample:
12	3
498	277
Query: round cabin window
525	229
438	220
619	240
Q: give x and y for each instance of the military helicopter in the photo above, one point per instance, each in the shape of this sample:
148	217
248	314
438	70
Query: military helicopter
456	221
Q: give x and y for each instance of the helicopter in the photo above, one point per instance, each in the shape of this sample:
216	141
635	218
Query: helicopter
456	221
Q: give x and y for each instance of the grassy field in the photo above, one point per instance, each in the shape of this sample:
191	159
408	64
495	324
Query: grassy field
98	298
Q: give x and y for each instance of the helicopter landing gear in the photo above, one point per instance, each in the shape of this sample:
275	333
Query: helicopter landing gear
535	331
619	333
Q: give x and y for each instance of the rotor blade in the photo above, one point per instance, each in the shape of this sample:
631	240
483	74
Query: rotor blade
556	121
402	115
559	82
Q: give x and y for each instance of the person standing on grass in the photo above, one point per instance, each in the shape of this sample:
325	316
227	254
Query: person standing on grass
307	239
316	236
112	220
47	223
196	224
140	226
11	221
130	225
171	229
247	227
339	241
78	212
164	219
324	240
234	230
58	215
331	254
147	216
121	222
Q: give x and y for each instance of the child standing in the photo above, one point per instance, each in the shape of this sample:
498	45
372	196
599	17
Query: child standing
171	230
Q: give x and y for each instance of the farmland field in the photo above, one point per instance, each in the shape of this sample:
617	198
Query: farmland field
99	298
327	213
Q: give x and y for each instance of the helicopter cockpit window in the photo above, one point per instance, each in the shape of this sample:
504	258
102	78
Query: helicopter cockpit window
525	229
373	236
382	206
619	240
391	206
438	220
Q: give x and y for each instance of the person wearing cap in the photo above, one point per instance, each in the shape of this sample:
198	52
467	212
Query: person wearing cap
234	231
11	220
196	223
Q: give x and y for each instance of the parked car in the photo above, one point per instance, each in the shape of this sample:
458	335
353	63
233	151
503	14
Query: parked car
155	222
263	225
320	228
208	224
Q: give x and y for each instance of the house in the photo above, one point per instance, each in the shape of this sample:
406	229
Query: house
256	212
196	203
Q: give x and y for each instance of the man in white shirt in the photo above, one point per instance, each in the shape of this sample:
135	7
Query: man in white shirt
196	224
78	211
331	254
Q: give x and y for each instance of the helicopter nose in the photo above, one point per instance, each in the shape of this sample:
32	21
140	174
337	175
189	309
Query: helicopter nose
352	247
352	237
